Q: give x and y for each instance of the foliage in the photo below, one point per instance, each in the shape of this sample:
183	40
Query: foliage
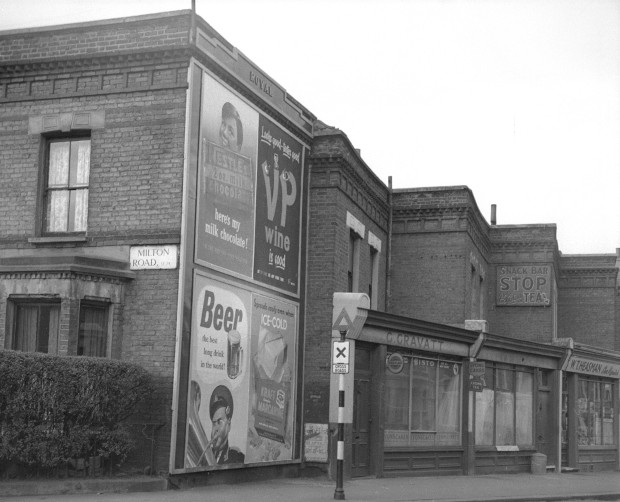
54	408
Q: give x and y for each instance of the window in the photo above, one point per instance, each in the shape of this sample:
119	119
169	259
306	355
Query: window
422	401
35	327
353	266
374	277
504	408
595	412
93	332
66	185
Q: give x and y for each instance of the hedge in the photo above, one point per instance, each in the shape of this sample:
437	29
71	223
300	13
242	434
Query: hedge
54	408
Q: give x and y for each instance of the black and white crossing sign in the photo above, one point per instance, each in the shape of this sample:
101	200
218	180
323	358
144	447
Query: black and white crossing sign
340	357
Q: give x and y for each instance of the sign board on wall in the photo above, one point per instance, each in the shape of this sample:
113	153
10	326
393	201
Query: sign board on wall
586	366
315	442
524	285
153	257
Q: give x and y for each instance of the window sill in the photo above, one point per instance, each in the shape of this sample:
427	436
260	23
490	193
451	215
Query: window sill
57	239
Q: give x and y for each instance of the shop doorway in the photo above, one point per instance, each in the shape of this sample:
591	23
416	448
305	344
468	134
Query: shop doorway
545	430
360	460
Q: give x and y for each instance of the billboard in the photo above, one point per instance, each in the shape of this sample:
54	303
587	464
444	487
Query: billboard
239	322
249	192
242	367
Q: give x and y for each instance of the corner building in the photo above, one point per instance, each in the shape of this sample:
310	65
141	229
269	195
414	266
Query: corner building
166	202
153	210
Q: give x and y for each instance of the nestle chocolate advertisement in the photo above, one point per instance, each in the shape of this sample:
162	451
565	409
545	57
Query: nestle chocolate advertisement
278	207
241	377
226	180
248	208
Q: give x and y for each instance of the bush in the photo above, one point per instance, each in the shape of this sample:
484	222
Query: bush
54	409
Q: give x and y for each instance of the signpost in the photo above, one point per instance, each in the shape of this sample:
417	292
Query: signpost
340	365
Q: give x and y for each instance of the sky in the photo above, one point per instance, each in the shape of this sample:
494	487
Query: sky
517	99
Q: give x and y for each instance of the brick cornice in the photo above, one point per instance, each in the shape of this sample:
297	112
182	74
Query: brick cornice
335	172
114	59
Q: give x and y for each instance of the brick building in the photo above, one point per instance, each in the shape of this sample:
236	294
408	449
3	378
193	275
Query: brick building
165	202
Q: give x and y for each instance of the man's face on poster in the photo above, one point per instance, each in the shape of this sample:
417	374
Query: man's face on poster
220	429
228	133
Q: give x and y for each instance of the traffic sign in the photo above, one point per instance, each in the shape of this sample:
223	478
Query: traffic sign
343	321
340	357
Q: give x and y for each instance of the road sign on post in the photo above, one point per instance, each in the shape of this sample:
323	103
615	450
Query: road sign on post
340	357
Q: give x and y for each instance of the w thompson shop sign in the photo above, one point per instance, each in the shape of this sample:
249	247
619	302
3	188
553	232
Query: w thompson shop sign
524	285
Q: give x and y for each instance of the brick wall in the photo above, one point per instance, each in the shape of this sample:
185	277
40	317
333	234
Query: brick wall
588	300
339	183
135	186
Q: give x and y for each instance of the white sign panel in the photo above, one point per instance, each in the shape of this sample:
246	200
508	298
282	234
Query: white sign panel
153	257
340	357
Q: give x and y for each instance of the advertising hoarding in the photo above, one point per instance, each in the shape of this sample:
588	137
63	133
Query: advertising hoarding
240	407
249	194
237	354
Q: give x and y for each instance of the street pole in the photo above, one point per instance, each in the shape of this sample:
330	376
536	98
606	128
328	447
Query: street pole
339	492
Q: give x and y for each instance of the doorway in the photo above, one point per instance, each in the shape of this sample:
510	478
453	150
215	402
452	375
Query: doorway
360	459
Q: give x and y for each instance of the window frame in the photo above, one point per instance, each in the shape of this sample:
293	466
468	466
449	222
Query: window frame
14	304
503	388
437	436
106	314
46	190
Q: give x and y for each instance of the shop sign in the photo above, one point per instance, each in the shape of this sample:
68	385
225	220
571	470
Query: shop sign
153	257
476	376
592	367
523	285
414	342
395	363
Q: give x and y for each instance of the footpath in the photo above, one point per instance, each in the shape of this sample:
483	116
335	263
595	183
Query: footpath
487	488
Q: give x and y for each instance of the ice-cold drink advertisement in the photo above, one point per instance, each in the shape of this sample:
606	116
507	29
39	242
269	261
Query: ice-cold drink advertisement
278	207
226	180
241	377
274	329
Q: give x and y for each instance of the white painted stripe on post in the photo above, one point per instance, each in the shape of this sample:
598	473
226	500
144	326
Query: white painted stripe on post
340	415
340	453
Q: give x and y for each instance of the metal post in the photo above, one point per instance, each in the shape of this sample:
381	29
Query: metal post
339	492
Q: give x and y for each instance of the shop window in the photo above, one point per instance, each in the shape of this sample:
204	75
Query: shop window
93	331
35	325
422	402
65	197
595	413
504	408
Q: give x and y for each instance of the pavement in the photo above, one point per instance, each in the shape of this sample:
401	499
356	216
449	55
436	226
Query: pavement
487	488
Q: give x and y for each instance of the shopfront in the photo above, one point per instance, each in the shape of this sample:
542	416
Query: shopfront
432	399
590	411
515	411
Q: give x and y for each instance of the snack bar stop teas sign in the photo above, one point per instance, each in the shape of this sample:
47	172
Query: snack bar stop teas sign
524	285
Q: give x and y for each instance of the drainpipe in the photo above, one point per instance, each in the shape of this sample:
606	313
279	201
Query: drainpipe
563	366
388	257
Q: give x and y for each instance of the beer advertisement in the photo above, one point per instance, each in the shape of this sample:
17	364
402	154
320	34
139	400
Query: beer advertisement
240	403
